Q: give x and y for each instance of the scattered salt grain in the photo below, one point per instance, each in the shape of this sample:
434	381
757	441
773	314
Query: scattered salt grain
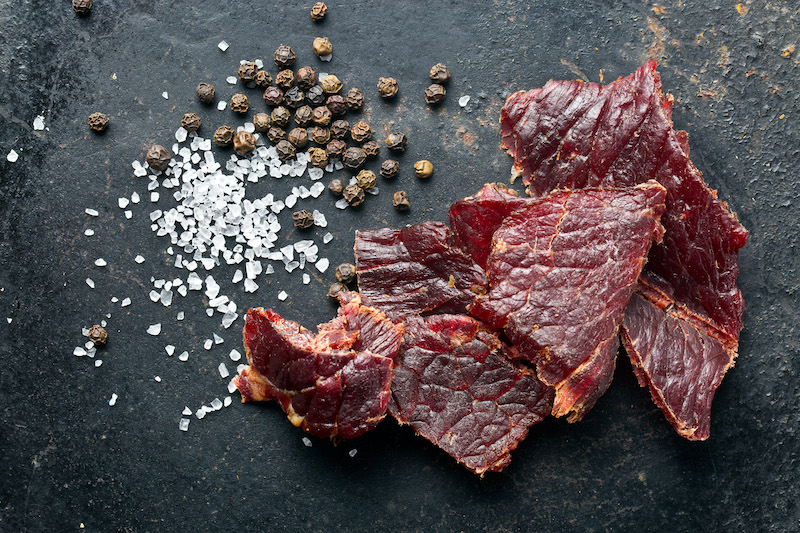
221	105
154	329
181	134
113	399
12	156
208	344
114	299
180	316
200	413
223	45
186	411
307	441
352	453
154	197
218	339
463	101
128	214
184	356
170	349
235	355
139	259
216	404
98	363
231	80
38	123
232	385
322	264
184	423
125	303
165	94
100	262
326	57
90	283
319	219
210	312
328	237
237	276
250	285
341	203
282	295
123	202
89	232
315	173
79	351
306	279
157	379
227	401
223	371
91	212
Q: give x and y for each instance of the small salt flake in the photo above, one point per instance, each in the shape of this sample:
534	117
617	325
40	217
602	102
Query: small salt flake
184	356
237	276
322	264
38	123
186	411
90	283
307	441
98	363
114	299
223	46
227	401
128	214
352	453
183	425
12	156
326	57
218	339
91	212
135	198
216	404
170	349
139	259
232	385
200	413
282	295
154	196
328	237
463	101
181	314
341	203
208	344
123	202
235	355
165	95
89	232
223	370
79	351
315	173
306	279
154	329
157	379
113	399
210	312
100	262
231	80
221	105
125	302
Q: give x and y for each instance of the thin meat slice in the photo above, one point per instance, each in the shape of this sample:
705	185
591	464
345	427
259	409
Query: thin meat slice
415	270
455	385
561	272
331	384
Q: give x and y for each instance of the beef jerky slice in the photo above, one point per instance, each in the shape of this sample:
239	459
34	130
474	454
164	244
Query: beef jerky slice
454	384
414	270
331	384
561	272
571	134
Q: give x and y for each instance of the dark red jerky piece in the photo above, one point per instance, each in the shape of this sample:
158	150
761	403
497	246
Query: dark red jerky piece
323	384
414	270
561	272
454	384
686	370
576	135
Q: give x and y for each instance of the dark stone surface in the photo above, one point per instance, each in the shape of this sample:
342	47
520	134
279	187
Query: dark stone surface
67	458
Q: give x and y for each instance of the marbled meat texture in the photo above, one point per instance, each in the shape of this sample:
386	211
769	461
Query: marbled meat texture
334	384
574	135
561	271
414	270
454	384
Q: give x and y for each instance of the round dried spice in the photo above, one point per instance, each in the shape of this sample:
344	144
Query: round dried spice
388	87
284	57
322	116
82	8
361	132
340	128
223	137
353	194
346	273
435	94
366	179
323	46
319	11
318	157
306	77
303	115
205	92
335	289
190	122
390	168
396	142
320	135
336	148
354	158
273	96
336	186
355	99
331	84
262	122
263	79
371	148
298	137
400	201
98	122
285	79
244	143
276	134
423	169
315	95
337	104
248	72
286	150
158	158
302	219
280	116
439	73
239	103
294	97
98	335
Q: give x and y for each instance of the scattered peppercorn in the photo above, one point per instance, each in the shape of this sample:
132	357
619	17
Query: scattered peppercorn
320	135
284	57
353	194
285	79
322	116
322	46
336	148
239	103
262	122
354	158
273	95
366	179
435	94
388	87
439	74
158	158
346	273
306	77
303	115
337	104
280	116
390	168
82	8
223	137
336	186
244	143
340	128
331	84
303	219
335	289
318	157
98	335
190	122
423	169
286	150
298	137
248	72
276	134
294	97
400	201
206	93
371	148
361	132
98	122
263	79
355	99
315	95
397	142
318	11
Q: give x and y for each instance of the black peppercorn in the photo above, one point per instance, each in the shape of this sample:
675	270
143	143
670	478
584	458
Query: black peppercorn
390	168
158	158
335	289
303	219
336	186
340	128
400	201
285	79
262	122
273	95
435	94
82	8
320	135
355	99
98	122
306	77
366	179
346	273
298	137
286	150
440	74
244	143
190	122
284	57
303	115
239	103
354	158
98	335
223	137
276	134
397	142
280	116
248	72
353	194
205	93
322	116
423	169
263	79
331	84
294	97
336	148
361	132
371	148
323	46
388	87
315	95
318	11
337	104
318	156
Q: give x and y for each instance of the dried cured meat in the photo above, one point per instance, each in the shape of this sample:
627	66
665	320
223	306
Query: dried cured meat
454	384
414	269
334	384
561	271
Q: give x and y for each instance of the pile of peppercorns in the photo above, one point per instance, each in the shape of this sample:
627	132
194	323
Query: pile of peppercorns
345	278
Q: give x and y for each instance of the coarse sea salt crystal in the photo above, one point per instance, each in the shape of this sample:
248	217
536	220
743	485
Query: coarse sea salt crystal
221	105
154	197
315	173
157	379
183	425
322	264
210	312
341	203
231	79
90	283
80	351
218	339
328	237
184	356
186	411
170	349
12	156
232	385
165	94
235	355
223	45
100	262
91	212
154	329
352	453
250	285
216	404
326	58
88	232
307	441
113	399
139	259
223	370
180	316
227	401
125	302
282	296
237	276
306	279
128	214
98	363
181	134
38	123
200	413
320	220
463	101
208	344
123	202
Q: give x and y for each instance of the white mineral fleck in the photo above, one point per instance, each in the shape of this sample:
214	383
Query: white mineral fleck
91	212
154	197
186	411
139	259
12	156
184	356
38	123
237	276
315	173
232	385
328	237
88	232
223	45
123	202
341	203
231	80
216	404
128	214
227	401
250	285
183	425
221	105
154	329
113	399
100	262
165	94
200	413
181	134
125	302
463	101
235	355
223	371
352	453
306	279
208	344
98	363
307	441
282	295
80	351
326	57
90	283
157	379
170	349
322	264
218	339
181	314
